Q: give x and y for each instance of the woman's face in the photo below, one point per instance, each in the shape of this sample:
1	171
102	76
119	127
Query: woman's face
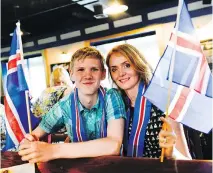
122	72
59	83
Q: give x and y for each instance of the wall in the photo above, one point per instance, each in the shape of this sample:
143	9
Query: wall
163	31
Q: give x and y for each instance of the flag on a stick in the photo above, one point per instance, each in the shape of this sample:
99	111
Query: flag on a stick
191	91
16	119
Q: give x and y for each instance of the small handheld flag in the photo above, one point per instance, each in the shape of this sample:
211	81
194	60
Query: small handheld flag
191	92
15	102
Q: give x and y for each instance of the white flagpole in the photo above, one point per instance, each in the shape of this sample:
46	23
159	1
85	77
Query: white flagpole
171	70
26	92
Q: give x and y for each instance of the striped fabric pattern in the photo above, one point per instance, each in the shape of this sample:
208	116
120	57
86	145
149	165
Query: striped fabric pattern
135	143
78	130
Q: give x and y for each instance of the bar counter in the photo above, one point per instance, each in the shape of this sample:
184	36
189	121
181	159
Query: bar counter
112	164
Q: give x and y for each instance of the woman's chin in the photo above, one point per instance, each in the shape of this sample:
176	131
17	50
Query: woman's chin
124	86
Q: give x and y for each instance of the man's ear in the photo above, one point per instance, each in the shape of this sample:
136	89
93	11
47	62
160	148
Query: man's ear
103	74
71	75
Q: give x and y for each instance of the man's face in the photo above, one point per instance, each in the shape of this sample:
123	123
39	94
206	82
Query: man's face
87	74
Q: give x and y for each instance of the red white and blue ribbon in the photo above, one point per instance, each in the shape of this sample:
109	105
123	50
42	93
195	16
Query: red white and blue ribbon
79	133
135	144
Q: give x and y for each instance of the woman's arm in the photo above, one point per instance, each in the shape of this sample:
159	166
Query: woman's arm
181	144
110	145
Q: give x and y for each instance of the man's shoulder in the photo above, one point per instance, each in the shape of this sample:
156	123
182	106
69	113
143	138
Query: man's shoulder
113	95
112	91
66	100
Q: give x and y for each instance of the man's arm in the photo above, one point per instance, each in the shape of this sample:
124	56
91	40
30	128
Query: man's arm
110	145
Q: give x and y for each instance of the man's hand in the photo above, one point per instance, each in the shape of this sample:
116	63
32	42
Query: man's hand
167	138
36	151
28	138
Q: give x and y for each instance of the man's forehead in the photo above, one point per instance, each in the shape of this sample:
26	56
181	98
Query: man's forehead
84	62
88	58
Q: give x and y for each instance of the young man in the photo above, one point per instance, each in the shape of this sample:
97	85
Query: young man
93	116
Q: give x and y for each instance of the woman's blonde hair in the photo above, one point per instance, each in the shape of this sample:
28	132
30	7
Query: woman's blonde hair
137	60
60	74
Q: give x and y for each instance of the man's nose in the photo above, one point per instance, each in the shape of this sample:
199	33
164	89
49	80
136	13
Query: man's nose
88	74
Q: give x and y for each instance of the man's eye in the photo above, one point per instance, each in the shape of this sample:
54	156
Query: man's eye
94	69
80	69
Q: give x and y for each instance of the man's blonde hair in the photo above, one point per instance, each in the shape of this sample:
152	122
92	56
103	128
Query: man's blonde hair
85	52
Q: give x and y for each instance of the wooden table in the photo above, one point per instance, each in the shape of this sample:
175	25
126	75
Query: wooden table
110	164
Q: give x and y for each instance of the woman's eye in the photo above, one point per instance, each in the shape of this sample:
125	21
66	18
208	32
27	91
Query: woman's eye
113	69
127	65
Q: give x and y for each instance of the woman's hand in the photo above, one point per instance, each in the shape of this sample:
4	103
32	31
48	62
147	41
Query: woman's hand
167	138
36	151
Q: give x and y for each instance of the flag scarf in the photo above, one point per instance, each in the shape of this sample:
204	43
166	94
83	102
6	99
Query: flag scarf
78	130
191	91
142	110
15	103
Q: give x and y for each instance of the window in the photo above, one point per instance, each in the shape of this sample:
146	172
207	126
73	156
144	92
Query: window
37	78
35	75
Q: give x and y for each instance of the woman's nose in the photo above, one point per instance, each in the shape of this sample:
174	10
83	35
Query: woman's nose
122	72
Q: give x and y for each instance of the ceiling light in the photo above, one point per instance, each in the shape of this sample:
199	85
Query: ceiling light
115	8
98	11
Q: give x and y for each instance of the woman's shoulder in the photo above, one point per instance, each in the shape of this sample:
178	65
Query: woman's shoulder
55	92
68	91
49	97
156	111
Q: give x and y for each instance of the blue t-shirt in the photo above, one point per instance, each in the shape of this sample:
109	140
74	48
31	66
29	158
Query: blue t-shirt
61	115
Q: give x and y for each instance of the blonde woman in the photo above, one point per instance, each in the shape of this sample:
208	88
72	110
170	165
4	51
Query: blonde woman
60	76
60	86
143	135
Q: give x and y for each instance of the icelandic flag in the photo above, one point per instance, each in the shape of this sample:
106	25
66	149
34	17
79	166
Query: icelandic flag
184	64
16	119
